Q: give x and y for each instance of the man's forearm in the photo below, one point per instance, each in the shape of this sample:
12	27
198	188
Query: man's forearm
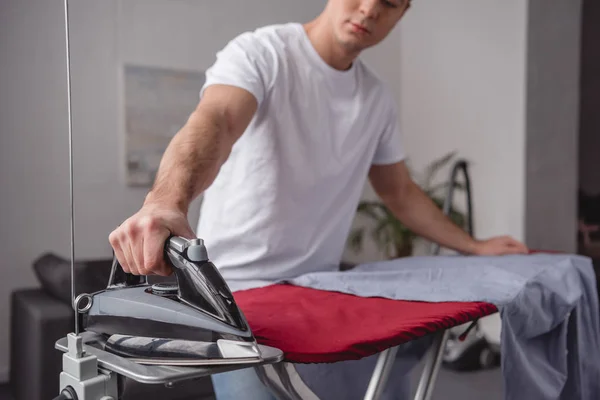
421	215
190	162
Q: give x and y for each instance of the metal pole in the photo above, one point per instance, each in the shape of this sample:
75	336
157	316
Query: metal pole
70	132
379	379
432	366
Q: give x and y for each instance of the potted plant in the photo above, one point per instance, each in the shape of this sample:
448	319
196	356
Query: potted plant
389	234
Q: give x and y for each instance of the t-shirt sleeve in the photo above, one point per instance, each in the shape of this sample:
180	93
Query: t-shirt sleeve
244	63
390	148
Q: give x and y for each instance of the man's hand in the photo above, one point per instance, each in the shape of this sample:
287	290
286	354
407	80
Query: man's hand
501	245
139	242
417	211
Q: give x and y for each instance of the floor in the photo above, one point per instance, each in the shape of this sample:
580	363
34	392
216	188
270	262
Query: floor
451	385
5	393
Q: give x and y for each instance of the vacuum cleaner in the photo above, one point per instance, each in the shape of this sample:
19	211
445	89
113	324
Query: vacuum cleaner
470	349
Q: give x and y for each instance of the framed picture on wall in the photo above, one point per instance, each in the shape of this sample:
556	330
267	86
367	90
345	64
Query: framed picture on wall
157	103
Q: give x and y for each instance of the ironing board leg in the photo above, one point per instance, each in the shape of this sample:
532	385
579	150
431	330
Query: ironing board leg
284	382
432	365
384	365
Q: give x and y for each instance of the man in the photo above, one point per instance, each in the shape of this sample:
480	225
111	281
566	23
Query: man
289	126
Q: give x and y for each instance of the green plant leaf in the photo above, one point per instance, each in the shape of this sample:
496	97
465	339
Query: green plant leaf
382	235
356	239
369	209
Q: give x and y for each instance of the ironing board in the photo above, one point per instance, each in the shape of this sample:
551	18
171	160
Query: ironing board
303	322
315	326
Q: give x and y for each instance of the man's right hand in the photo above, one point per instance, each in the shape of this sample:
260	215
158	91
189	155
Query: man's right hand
139	242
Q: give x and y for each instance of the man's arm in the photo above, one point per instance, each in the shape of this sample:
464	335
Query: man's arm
192	160
407	201
189	165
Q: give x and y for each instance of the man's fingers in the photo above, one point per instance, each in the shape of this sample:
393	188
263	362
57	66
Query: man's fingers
518	247
519	250
115	242
120	255
185	231
155	234
164	269
524	248
139	242
137	253
133	267
154	255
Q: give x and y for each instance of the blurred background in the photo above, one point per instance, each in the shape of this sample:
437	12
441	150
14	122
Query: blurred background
513	87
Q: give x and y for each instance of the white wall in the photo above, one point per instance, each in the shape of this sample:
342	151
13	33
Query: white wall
33	120
33	148
462	76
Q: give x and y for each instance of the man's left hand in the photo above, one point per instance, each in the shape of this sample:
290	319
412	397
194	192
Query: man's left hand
501	245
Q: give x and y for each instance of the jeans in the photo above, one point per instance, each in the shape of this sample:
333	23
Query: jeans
240	384
346	380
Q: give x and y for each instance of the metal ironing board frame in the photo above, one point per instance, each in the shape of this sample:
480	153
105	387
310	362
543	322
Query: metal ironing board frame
286	384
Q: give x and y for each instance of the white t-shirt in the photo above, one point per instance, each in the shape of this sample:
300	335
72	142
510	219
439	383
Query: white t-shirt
284	201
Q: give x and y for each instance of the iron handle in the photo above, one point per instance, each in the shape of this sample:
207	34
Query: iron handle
191	250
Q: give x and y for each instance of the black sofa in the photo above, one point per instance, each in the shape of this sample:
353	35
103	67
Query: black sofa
41	316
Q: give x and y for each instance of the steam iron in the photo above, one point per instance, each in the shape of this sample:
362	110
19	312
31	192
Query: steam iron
193	321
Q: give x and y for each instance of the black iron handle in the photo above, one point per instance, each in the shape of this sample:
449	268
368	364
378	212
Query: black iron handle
195	274
192	250
200	283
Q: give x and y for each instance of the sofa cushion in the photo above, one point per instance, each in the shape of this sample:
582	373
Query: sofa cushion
54	274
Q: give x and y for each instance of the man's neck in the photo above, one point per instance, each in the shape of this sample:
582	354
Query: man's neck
320	35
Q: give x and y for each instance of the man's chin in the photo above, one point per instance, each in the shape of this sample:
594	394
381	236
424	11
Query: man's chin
353	46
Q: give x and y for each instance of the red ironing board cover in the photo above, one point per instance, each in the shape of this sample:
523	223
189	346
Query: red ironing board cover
316	326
